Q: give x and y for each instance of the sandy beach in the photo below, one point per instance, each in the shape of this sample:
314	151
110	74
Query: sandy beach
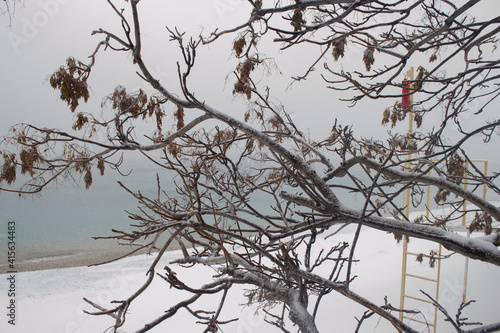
53	256
64	261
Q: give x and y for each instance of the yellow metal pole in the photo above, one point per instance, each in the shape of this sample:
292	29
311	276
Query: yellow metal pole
406	203
437	286
464	222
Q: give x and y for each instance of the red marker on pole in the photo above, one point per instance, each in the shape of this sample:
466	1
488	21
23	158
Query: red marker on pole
406	100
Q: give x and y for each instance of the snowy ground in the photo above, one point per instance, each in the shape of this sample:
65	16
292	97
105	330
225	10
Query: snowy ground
52	300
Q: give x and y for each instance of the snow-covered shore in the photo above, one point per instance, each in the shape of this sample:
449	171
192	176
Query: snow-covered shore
52	300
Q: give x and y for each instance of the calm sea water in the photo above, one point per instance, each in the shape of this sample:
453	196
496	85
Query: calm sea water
64	219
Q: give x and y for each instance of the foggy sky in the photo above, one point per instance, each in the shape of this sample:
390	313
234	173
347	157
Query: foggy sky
45	32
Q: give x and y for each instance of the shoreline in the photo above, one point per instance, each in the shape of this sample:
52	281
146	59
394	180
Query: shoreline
84	259
37	257
45	257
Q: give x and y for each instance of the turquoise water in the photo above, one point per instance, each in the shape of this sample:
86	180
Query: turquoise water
63	220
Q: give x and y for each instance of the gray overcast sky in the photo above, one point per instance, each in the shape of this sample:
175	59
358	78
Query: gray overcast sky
44	33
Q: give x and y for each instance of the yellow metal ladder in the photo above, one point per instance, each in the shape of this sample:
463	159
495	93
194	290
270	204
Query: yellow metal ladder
433	280
404	295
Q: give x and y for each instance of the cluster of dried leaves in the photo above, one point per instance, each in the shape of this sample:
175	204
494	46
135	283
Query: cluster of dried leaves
239	45
71	81
482	221
338	47
298	19
243	83
455	172
9	168
433	257
368	58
